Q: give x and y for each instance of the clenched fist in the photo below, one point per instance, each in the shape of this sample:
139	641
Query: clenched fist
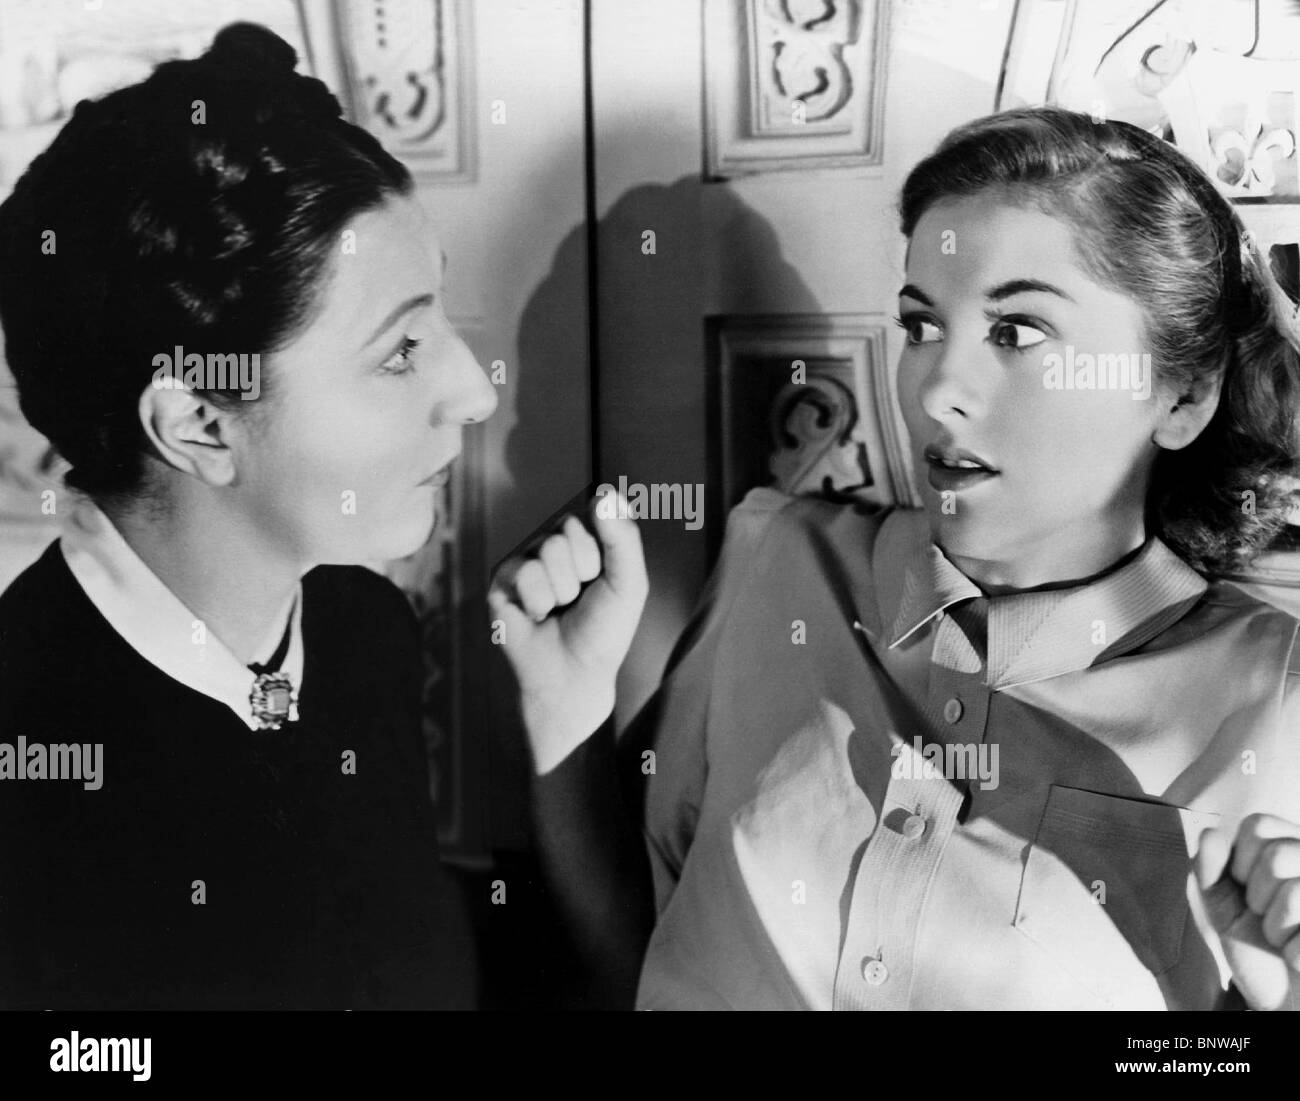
566	642
1251	887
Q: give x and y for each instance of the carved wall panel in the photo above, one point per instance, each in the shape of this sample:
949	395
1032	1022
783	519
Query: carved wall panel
410	81
794	84
1237	118
804	403
1221	81
54	53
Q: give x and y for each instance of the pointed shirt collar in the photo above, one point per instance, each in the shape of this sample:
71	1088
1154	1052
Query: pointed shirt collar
1036	635
158	626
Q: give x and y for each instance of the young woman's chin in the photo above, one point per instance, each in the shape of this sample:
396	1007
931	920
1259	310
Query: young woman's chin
970	533
959	536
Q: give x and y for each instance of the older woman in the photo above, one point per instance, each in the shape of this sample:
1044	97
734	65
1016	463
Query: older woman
258	831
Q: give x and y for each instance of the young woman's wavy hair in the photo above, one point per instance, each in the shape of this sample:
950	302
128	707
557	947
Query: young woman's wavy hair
1151	225
200	208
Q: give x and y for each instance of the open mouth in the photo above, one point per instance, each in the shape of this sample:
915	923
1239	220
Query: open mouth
439	477
952	468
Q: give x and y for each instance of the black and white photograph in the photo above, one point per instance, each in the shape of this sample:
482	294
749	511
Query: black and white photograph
530	507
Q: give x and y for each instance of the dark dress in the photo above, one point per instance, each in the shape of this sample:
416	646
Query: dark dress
321	889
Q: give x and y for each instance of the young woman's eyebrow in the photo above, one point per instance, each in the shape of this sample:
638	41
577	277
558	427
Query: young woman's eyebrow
406	307
1024	286
910	290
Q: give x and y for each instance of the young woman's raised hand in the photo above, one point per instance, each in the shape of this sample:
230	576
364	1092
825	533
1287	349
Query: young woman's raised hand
568	619
1251	887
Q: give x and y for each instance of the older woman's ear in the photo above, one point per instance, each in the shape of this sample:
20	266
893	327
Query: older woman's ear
188	431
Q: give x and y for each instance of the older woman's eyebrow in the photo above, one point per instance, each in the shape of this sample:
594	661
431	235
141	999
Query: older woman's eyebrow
406	307
1024	286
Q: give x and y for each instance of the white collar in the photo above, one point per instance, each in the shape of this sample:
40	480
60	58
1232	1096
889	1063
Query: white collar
161	629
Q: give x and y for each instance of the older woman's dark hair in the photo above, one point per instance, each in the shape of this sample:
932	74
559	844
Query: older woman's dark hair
198	208
1151	225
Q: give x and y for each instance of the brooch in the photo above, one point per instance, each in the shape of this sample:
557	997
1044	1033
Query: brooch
273	701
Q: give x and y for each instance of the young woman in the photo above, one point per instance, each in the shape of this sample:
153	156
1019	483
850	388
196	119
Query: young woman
1026	752
213	786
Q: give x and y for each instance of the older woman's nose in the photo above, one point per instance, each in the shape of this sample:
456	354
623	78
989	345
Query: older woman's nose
472	398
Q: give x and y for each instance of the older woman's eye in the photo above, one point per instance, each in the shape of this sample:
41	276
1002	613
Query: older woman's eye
919	330
400	362
1017	335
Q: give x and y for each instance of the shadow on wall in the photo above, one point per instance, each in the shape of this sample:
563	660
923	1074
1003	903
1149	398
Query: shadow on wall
657	419
655	422
660	420
651	358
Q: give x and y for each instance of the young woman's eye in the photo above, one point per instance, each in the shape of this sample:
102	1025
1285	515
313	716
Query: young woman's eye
400	362
1017	335
919	330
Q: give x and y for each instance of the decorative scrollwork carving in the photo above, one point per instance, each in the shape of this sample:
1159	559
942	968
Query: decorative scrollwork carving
815	449
794	84
803	78
405	85
410	80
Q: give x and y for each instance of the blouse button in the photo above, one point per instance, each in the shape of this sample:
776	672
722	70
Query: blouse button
913	827
874	971
952	710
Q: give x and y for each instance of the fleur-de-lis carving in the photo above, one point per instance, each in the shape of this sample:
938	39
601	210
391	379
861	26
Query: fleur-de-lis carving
1245	162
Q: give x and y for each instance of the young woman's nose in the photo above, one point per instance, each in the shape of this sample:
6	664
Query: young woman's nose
470	397
951	386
